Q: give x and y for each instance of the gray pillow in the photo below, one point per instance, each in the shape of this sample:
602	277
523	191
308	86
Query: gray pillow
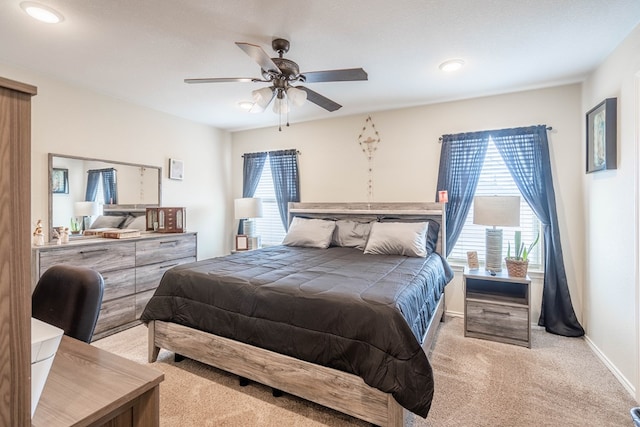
398	238
310	233
351	234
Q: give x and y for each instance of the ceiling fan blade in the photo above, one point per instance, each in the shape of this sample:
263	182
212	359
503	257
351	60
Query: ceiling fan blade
222	80
320	100
260	56
350	74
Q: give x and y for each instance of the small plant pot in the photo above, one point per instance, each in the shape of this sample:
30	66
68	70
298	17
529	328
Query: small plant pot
517	267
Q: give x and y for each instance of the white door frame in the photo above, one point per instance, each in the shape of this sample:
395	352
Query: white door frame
637	221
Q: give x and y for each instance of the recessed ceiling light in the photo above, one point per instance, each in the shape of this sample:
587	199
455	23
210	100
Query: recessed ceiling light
451	65
41	12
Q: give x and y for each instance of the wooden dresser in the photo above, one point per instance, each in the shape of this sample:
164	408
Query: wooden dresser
131	268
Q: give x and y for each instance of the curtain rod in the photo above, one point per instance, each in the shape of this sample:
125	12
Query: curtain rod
548	128
298	152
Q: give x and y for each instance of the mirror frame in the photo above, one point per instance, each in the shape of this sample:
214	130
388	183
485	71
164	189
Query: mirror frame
130	208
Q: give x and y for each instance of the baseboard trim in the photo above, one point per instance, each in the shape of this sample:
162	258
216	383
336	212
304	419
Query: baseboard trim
614	370
454	314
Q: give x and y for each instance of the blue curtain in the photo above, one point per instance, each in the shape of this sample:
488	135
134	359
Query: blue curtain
286	182
461	160
251	172
526	154
93	177
109	186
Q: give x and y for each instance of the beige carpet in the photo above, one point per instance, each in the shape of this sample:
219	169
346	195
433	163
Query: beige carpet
559	382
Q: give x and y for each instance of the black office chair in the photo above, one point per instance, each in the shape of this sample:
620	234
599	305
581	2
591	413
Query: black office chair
69	297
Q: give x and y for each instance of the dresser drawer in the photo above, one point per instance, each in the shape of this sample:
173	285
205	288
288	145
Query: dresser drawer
115	313
164	249
119	283
148	277
497	320
102	257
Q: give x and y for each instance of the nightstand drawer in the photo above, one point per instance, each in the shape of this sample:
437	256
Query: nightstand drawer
497	320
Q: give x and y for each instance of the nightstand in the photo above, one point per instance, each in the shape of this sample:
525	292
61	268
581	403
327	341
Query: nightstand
497	307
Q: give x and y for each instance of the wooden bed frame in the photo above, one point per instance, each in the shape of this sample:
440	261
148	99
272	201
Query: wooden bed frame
329	387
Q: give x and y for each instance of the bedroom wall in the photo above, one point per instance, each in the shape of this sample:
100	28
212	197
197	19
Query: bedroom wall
405	168
70	120
611	218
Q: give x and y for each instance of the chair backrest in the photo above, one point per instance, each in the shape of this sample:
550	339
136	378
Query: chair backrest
70	298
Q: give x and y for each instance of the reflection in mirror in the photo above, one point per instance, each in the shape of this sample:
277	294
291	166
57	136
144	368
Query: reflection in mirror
136	186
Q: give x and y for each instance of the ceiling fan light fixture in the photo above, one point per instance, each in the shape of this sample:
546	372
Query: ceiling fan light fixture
297	96
451	65
280	106
41	12
262	97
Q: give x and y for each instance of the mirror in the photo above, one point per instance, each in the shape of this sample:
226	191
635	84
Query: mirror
137	186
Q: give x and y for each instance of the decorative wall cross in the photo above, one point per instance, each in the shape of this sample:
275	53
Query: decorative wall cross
369	139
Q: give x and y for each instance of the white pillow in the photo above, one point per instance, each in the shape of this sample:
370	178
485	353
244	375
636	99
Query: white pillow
108	221
351	234
138	223
398	238
310	233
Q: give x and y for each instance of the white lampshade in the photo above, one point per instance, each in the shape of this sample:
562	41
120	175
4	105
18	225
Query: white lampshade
297	96
280	106
262	97
87	209
497	210
248	207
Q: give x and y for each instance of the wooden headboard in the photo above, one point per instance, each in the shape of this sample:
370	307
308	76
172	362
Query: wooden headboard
428	211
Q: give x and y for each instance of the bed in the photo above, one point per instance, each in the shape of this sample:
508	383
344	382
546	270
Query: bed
343	324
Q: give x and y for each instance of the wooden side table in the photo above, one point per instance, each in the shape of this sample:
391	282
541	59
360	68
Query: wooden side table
497	308
88	386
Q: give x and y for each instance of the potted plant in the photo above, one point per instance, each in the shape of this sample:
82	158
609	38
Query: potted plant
518	264
75	226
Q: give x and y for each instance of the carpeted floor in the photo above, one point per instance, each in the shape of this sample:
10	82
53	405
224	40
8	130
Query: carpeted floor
559	382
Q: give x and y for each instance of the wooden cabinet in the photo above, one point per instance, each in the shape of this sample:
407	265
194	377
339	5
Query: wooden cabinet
15	235
497	307
131	269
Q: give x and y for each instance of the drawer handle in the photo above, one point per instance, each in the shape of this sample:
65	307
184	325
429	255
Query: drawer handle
501	313
94	251
169	241
168	265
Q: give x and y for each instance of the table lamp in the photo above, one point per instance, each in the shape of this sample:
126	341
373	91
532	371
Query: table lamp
86	210
246	209
495	211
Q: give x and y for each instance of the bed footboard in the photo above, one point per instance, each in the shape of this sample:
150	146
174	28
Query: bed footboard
335	389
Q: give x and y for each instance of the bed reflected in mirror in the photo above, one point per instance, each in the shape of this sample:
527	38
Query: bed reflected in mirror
115	186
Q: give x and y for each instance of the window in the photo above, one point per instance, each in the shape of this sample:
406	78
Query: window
495	180
269	227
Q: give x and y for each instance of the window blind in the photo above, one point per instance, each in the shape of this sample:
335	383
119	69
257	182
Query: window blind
495	180
269	227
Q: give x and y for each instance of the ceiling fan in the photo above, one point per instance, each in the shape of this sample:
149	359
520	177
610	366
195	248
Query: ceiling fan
282	73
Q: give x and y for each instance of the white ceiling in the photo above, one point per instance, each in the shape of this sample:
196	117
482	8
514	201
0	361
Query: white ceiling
141	50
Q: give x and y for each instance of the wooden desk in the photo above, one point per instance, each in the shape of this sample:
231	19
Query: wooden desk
88	386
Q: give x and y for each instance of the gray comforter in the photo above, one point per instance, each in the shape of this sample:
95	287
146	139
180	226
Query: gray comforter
363	314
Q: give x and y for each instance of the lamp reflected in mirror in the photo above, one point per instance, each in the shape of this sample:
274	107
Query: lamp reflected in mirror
86	210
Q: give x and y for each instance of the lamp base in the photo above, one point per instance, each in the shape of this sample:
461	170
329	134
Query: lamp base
493	245
249	227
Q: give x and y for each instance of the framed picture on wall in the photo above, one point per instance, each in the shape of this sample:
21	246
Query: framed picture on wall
176	169
601	136
60	181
